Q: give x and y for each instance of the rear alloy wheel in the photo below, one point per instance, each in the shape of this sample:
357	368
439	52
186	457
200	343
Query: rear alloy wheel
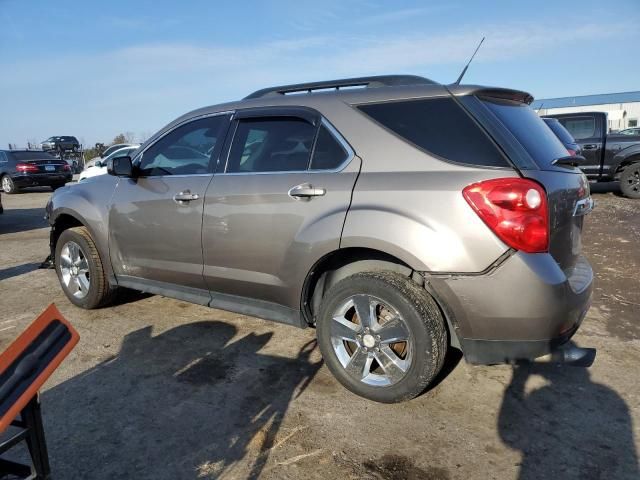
8	186
80	269
630	181
382	336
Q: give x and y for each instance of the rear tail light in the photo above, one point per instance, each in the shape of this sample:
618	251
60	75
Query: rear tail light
66	168
571	152
27	168
515	209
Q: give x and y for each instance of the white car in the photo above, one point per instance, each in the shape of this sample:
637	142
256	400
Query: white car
100	166
108	152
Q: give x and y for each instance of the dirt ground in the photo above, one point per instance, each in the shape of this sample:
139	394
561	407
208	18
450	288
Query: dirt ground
161	389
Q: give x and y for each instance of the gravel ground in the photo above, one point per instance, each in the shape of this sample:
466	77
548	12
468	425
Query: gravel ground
161	389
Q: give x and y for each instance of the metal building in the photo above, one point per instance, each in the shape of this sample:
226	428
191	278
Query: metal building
623	109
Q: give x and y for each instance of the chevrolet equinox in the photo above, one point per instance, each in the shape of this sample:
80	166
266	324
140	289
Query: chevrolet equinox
396	215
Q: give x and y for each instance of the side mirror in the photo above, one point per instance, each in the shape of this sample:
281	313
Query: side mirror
120	167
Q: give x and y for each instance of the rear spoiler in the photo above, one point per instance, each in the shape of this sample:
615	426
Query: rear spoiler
491	92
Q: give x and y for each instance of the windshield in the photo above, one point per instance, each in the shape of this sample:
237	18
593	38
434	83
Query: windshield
529	129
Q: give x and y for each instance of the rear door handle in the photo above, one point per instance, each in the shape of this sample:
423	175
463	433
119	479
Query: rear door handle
590	146
185	197
306	190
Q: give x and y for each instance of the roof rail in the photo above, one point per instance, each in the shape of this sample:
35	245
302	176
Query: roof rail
367	82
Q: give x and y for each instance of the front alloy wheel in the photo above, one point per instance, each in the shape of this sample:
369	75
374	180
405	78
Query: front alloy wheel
74	270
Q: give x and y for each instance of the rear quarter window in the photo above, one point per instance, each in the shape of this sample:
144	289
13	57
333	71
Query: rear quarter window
438	126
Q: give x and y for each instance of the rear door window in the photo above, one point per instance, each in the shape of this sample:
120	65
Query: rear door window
271	144
328	153
438	126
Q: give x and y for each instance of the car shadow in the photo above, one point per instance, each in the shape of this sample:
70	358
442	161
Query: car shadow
15	220
570	428
191	402
606	187
18	270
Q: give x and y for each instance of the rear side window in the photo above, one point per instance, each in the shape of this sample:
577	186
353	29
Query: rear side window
276	144
440	127
529	129
580	127
328	153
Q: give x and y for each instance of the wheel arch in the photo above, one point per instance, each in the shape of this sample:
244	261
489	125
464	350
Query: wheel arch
66	219
344	262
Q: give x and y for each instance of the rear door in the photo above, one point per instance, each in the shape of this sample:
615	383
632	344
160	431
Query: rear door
277	205
155	219
588	131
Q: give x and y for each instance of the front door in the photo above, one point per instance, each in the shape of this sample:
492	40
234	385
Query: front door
155	219
277	207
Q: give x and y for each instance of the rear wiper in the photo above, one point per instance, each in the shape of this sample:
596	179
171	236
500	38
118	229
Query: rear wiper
568	161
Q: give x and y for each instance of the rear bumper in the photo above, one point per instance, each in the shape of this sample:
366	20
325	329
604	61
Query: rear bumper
522	309
45	179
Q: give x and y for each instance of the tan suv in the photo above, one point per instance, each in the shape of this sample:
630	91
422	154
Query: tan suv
399	216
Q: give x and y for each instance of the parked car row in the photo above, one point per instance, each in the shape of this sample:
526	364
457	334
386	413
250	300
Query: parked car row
605	157
99	166
399	217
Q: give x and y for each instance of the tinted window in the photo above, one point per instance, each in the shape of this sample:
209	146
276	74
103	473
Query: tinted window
580	127
35	155
328	153
271	145
187	150
3	157
439	126
559	130
529	129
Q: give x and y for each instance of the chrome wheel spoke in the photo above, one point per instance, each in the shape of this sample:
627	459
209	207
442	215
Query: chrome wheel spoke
83	266
83	284
359	364
365	308
65	260
393	366
344	329
393	331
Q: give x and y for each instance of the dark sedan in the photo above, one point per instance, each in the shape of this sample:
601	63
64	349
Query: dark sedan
563	135
29	168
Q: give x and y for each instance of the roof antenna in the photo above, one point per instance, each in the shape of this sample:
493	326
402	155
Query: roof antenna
464	70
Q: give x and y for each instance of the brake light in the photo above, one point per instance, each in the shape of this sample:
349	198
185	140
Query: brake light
27	168
515	209
571	152
66	168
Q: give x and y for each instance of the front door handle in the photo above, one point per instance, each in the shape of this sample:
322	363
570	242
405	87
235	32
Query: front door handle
590	146
306	190
185	197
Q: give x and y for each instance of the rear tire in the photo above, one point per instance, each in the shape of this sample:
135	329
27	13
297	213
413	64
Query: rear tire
8	185
81	276
630	181
391	371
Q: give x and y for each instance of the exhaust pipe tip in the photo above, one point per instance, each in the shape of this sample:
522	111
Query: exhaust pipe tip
570	355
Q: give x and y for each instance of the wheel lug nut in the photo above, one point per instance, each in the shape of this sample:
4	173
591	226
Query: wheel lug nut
377	349
377	337
365	349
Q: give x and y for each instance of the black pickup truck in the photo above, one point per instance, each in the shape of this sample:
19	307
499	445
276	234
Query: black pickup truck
608	157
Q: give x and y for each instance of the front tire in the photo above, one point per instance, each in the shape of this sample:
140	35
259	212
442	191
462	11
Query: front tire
630	181
80	269
8	185
382	336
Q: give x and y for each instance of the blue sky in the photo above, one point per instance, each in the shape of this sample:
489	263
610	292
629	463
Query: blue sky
94	69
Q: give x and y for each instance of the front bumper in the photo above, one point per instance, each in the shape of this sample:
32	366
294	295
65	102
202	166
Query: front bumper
41	179
522	309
